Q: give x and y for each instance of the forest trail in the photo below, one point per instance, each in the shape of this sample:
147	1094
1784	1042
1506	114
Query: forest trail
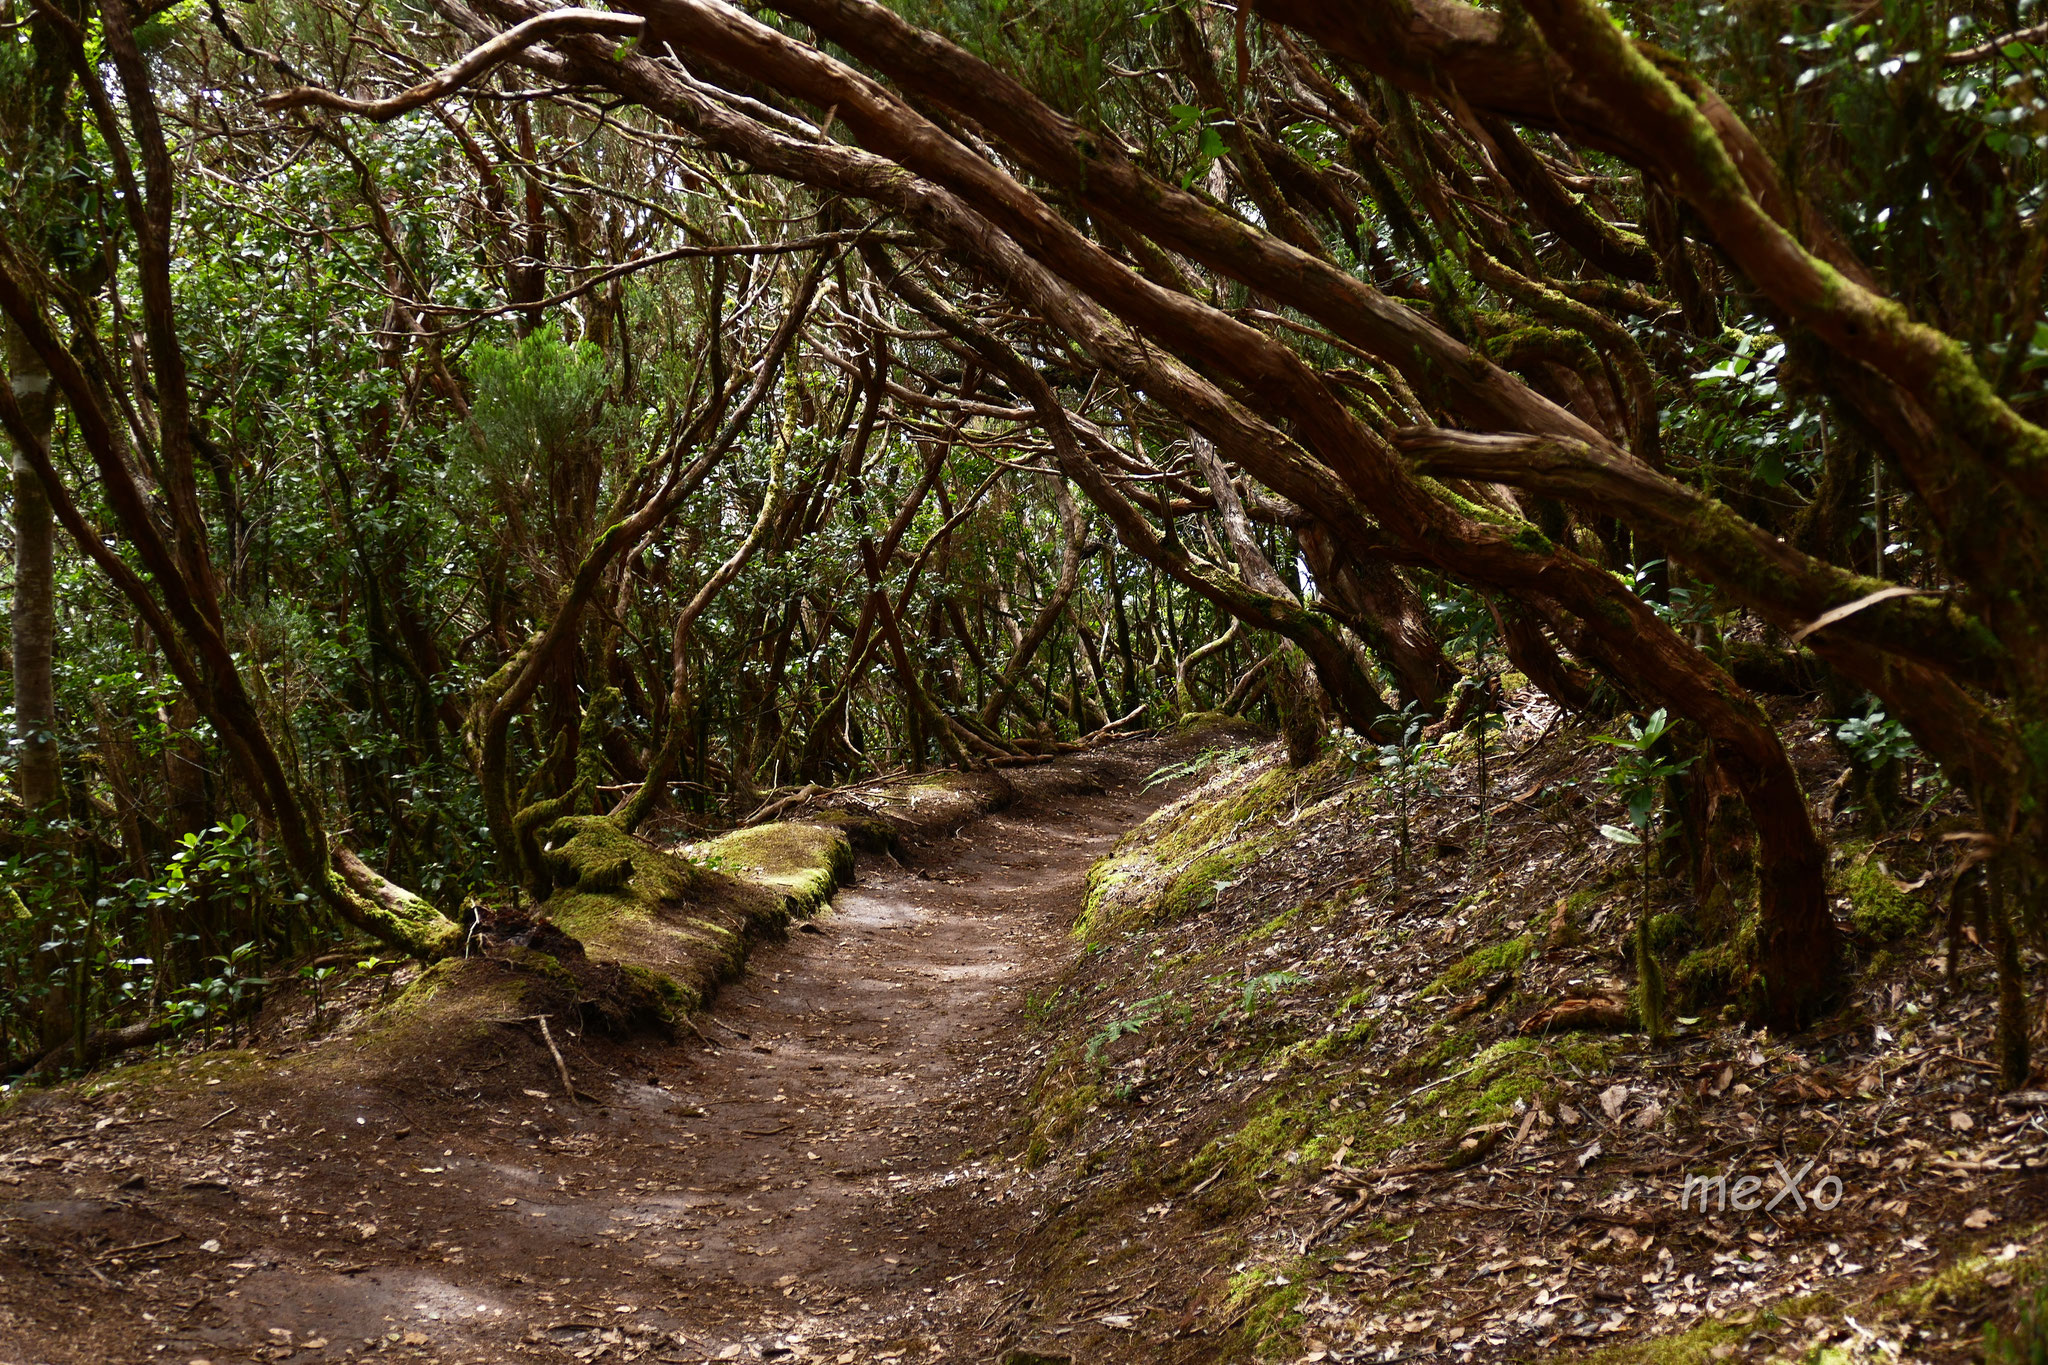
817	1178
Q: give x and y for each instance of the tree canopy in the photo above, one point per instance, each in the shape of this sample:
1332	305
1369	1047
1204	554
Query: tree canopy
434	421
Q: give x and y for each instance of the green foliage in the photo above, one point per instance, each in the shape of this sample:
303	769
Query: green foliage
1640	773
219	997
1266	985
1143	1014
1876	739
1063	49
534	399
1202	762
1405	766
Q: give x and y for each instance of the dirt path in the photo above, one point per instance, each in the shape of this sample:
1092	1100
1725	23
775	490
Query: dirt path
816	1179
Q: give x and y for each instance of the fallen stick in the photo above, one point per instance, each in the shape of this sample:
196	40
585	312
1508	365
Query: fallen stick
548	1037
111	1253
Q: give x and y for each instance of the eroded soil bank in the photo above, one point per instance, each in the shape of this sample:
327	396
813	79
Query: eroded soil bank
815	1170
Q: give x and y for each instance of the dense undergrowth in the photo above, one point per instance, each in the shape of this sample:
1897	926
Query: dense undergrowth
1312	1094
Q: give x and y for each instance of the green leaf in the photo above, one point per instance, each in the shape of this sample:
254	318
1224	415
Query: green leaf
1621	834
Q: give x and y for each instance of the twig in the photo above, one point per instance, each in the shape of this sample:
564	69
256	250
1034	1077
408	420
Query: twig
112	1252
548	1037
1994	46
221	1115
1437	1082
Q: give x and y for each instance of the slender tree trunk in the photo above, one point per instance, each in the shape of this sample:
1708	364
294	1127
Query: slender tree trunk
38	778
1055	603
34	609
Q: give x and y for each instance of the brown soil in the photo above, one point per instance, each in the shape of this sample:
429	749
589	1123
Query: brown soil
816	1177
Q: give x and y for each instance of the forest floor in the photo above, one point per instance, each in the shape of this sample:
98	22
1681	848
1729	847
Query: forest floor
1275	1075
818	1176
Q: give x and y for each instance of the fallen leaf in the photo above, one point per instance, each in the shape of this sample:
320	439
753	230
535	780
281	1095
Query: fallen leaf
1961	1121
1611	1100
1979	1218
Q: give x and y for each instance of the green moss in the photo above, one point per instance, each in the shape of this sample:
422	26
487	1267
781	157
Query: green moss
675	1000
1475	967
1269	1297
456	1001
1347	1039
1669	932
1964	1283
1879	909
1198	884
1058	1104
1694	1346
591	854
1169	866
1718	971
805	862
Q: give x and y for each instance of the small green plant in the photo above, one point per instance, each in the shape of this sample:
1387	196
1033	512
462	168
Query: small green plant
1143	1015
1408	765
1173	772
1266	986
1639	774
1880	748
315	978
1876	739
2027	1343
218	999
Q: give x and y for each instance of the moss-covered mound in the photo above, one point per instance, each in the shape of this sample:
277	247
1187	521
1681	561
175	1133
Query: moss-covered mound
633	937
926	806
1175	863
802	861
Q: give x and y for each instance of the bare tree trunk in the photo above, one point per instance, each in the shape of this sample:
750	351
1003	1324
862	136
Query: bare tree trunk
34	608
1049	614
1300	709
38	778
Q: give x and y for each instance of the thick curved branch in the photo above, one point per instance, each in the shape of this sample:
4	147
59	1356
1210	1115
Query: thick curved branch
473	63
1934	368
1783	584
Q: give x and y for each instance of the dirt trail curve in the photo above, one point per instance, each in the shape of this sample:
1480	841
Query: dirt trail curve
816	1179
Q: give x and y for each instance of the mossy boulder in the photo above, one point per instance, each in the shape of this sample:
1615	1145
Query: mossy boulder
1881	911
